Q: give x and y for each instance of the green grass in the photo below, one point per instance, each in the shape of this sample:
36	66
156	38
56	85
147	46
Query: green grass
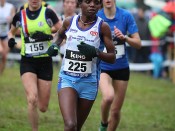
149	106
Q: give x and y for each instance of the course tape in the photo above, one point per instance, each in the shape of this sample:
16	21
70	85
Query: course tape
133	66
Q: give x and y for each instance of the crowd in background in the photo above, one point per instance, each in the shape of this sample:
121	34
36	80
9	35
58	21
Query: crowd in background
160	50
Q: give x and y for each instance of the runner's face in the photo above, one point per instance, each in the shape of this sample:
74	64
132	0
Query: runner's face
90	7
108	3
69	6
35	3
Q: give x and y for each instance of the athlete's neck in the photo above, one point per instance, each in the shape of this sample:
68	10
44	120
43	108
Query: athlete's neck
34	8
68	14
88	19
110	12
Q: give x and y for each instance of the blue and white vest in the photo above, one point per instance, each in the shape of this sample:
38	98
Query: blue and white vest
76	66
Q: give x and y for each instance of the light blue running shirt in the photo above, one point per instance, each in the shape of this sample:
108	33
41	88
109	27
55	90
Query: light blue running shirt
125	22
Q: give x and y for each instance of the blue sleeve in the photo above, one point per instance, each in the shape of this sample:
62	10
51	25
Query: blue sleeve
98	13
131	24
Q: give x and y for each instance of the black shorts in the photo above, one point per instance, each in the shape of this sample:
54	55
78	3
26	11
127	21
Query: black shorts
3	37
42	67
121	74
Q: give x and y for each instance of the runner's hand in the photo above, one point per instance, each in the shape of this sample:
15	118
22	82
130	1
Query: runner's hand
53	50
11	43
88	50
119	34
40	36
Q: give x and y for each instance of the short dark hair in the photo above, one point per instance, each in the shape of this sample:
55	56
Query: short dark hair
80	1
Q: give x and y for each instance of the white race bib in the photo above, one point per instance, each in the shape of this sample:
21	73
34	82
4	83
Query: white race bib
119	49
77	64
37	48
74	66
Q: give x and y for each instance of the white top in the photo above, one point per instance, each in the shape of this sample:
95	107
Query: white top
75	65
5	12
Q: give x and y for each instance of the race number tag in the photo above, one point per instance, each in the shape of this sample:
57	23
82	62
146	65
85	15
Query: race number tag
119	50
76	64
36	48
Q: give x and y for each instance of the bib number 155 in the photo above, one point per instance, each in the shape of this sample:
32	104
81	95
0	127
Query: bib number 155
36	47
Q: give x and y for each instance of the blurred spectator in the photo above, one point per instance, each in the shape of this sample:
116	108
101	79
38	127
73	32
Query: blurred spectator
17	3
156	58
168	48
156	55
171	33
7	12
142	55
69	10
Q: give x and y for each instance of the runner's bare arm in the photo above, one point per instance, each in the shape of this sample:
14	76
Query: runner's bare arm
134	41
107	38
60	36
56	27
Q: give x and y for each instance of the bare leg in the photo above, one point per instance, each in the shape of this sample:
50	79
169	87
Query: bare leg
67	98
84	107
44	91
30	84
4	52
107	96
120	88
